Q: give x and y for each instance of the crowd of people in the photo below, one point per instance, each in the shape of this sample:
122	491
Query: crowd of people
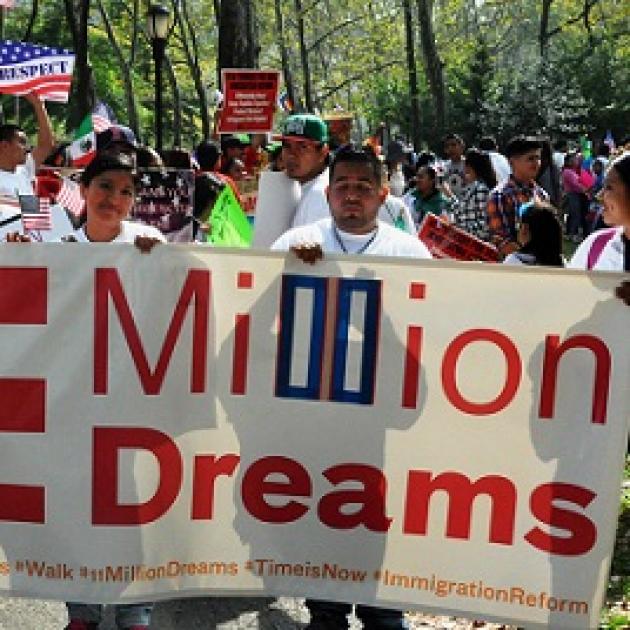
347	206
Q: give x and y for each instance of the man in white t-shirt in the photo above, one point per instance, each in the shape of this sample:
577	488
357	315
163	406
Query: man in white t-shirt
305	155
18	163
355	195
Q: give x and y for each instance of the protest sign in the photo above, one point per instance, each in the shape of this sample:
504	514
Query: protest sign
165	200
31	69
446	240
230	227
278	197
250	98
232	422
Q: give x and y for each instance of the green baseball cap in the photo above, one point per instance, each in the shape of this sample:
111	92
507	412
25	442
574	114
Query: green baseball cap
306	126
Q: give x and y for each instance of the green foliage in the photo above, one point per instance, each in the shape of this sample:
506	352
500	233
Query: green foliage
496	79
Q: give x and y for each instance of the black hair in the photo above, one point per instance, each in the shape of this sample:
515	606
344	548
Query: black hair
568	158
603	150
481	164
177	157
520	145
147	157
433	176
453	136
108	161
228	164
488	143
545	235
425	158
231	142
207	153
8	131
207	189
622	168
353	154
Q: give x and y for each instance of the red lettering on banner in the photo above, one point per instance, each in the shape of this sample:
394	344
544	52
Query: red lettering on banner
371	498
23	301
449	371
461	493
583	531
241	354
284	479
255	486
207	469
23	295
601	383
22	405
412	367
197	286
108	441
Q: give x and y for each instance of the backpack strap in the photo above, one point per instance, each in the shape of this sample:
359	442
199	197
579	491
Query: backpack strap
597	246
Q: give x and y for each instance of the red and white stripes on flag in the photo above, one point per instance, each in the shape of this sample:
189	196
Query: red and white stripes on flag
100	123
69	196
39	218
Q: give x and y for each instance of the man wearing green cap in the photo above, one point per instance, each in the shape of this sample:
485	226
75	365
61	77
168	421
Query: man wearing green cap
305	156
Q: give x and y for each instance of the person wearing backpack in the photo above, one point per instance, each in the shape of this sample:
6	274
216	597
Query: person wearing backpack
609	249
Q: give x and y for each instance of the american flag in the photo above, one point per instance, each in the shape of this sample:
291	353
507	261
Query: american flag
69	197
37	215
102	117
28	68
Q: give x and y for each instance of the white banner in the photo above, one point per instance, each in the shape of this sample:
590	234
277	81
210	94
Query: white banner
431	435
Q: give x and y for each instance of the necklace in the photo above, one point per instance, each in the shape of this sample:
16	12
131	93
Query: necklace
361	249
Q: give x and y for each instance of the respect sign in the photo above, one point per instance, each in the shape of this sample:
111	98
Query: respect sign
250	98
402	433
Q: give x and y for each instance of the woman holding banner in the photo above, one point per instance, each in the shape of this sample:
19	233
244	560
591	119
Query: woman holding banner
108	186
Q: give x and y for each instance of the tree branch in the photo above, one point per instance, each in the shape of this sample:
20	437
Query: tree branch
359	76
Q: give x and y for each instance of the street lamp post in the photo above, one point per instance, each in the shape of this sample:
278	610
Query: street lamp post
157	29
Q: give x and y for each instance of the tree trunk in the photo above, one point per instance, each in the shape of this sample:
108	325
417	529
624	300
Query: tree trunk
125	71
306	73
414	95
81	101
31	22
237	41
543	37
432	62
286	67
191	51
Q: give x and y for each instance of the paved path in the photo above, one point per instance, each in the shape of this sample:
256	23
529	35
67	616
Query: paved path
202	614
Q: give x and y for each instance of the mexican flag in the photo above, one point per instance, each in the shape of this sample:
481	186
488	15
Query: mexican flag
83	147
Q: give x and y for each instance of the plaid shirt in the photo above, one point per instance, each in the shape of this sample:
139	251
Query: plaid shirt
502	205
471	213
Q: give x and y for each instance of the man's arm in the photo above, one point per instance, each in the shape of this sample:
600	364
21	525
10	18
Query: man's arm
45	136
